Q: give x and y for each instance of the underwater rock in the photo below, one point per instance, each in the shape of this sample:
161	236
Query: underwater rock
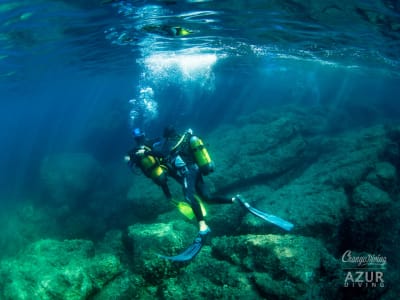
69	178
207	277
315	210
112	242
125	286
370	217
312	192
147	241
351	157
281	267
254	153
50	269
383	176
370	199
318	200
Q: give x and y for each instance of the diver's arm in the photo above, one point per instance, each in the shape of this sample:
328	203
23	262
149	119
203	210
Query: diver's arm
131	159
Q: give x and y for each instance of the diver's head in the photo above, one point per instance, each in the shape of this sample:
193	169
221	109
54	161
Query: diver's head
169	132
138	135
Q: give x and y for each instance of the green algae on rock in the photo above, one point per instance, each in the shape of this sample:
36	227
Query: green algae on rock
50	269
286	266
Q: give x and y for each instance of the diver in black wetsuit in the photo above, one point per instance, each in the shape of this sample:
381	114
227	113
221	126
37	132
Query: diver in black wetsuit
182	165
142	156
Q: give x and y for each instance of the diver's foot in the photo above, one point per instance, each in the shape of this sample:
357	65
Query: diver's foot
204	236
204	232
203	226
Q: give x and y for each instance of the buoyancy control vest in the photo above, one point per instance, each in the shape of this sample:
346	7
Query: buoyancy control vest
151	166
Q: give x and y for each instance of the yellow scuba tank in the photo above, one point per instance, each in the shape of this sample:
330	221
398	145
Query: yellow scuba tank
201	156
152	168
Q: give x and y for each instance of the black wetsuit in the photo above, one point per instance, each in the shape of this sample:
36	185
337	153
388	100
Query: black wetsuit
183	168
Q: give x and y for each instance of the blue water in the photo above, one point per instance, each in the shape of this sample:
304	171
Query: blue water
76	76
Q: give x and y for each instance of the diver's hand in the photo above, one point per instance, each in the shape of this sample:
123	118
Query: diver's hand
140	152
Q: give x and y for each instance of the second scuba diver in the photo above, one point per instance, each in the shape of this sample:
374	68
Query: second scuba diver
188	160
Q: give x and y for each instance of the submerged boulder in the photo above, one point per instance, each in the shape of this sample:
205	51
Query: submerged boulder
50	269
371	216
319	200
350	158
384	175
148	241
370	199
281	267
315	210
207	277
256	152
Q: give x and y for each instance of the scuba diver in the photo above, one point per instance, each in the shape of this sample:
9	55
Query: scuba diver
142	157
185	158
188	160
167	30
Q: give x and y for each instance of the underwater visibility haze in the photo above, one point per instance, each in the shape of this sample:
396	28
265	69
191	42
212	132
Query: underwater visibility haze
296	101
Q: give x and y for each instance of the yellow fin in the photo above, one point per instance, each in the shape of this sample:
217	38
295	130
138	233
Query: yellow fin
185	208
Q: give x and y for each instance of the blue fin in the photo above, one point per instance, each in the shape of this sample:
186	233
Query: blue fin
188	254
267	217
271	218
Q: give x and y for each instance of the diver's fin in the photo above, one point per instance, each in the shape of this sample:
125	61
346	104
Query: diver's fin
188	254
185	208
192	250
267	217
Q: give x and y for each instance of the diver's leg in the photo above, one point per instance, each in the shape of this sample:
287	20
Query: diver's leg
189	190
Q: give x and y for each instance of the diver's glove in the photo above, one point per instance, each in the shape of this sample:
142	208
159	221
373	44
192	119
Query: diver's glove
140	152
130	158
